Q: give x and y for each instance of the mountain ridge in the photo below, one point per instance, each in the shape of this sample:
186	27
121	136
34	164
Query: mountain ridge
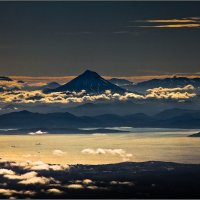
172	82
26	119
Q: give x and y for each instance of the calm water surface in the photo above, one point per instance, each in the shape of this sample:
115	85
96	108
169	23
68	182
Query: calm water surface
138	145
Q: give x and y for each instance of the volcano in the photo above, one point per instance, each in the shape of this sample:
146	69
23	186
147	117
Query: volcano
89	81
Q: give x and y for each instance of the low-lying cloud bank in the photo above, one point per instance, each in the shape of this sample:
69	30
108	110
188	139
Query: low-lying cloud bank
30	179
20	85
115	152
37	96
39	165
28	174
127	179
10	192
11	85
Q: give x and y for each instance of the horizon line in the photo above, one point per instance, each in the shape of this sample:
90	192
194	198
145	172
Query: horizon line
64	79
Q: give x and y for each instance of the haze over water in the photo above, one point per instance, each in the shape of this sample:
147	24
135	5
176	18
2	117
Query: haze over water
137	146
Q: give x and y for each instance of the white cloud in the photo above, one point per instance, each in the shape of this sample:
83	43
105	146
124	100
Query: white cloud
29	192
28	178
29	155
74	186
58	167
116	152
10	192
35	180
39	132
161	89
54	191
27	175
39	165
6	172
87	181
99	134
58	152
93	187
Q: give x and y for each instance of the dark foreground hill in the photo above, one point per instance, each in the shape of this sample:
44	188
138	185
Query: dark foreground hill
145	180
174	118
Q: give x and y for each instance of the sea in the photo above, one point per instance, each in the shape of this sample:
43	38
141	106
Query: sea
137	145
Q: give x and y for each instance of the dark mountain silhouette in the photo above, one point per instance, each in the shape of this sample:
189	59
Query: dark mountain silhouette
20	81
114	107
4	78
167	82
108	120
128	107
189	120
195	135
89	81
48	86
26	119
51	85
167	114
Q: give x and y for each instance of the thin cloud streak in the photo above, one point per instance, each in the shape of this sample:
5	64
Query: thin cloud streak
190	22
183	20
173	26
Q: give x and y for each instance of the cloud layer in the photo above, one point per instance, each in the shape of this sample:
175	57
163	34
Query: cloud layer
38	96
39	165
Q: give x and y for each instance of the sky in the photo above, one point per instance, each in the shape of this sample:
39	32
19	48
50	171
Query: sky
111	38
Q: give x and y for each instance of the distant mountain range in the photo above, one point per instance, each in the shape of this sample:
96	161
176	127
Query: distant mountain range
89	81
93	83
5	78
174	118
52	85
173	82
49	86
117	108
